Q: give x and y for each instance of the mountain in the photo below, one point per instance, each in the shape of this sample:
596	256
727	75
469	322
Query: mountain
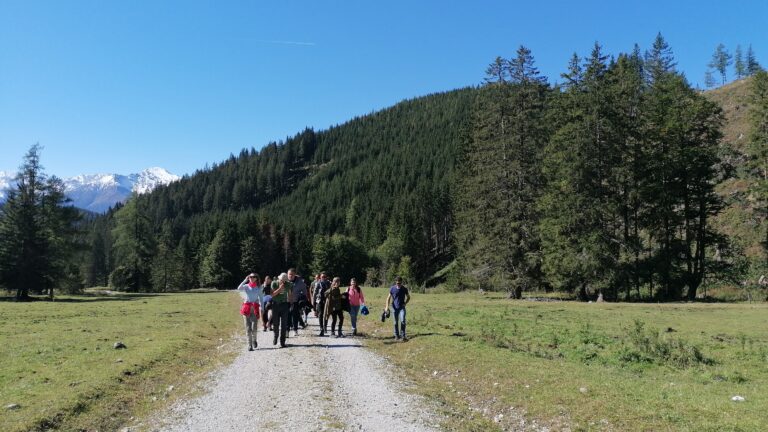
98	192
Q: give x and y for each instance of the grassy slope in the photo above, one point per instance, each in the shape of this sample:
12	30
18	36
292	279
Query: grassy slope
58	363
481	355
737	220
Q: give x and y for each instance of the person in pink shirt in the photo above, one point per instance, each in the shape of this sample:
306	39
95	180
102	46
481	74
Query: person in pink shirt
356	299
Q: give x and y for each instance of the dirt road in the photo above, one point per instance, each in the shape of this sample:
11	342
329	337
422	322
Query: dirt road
314	384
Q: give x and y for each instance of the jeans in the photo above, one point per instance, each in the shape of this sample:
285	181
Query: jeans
281	316
250	322
353	311
398	317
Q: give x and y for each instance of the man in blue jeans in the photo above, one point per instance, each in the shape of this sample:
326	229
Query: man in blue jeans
398	297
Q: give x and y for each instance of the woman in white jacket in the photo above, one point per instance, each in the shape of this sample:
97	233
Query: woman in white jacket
250	291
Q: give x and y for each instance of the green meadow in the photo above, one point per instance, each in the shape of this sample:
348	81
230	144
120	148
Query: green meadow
486	362
491	363
58	364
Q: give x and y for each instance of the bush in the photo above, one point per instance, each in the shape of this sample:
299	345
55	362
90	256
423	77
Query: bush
649	346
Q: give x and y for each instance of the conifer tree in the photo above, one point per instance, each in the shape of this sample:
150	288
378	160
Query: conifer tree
753	66
134	247
739	65
37	230
721	59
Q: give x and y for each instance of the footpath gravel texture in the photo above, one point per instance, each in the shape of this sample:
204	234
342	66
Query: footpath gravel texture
313	384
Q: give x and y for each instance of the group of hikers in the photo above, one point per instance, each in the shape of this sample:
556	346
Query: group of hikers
286	301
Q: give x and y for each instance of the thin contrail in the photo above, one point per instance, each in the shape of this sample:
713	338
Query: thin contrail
287	42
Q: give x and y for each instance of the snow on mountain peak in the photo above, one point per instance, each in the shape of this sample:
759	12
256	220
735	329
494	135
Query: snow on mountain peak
98	192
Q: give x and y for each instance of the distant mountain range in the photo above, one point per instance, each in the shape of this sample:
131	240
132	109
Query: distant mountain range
98	192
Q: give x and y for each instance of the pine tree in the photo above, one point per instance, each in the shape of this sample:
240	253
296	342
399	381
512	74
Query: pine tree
739	66
496	215
709	79
37	230
659	60
166	264
220	264
134	246
721	59
753	66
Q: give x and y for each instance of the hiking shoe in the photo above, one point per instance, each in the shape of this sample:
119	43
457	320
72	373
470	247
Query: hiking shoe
341	335
405	339
295	333
322	334
274	341
354	332
397	337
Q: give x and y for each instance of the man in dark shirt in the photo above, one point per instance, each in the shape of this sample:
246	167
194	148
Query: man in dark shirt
398	297
321	287
300	298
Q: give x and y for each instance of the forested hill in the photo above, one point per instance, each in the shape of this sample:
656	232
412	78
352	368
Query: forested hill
390	169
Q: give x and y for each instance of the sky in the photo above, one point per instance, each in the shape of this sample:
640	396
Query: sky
109	86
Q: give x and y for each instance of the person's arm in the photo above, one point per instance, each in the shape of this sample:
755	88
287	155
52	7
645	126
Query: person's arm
243	284
280	289
389	299
407	297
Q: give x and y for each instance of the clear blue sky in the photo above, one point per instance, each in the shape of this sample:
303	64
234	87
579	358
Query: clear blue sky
119	86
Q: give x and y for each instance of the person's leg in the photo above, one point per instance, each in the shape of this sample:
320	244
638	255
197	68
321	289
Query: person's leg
333	323
402	323
295	316
252	325
321	317
341	323
277	321
264	315
395	314
248	330
353	311
284	322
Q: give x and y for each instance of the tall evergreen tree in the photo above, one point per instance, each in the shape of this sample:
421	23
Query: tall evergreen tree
721	59
753	66
134	247
659	60
739	65
497	217
36	230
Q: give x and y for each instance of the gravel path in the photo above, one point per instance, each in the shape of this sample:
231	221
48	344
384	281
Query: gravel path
314	384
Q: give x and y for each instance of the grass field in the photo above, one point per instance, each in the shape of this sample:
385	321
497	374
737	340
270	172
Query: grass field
58	364
493	363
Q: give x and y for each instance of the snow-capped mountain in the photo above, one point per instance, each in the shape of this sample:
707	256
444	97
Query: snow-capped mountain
98	192
5	182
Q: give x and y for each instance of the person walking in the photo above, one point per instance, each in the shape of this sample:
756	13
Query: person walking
321	288
281	293
250	291
356	299
398	297
334	307
299	300
266	303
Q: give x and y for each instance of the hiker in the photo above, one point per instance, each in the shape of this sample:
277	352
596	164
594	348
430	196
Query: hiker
334	307
356	299
321	288
312	288
250	291
398	297
266	303
281	312
299	300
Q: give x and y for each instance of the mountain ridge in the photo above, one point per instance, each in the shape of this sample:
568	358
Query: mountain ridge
99	192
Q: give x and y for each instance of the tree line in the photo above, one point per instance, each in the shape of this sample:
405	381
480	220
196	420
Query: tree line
603	182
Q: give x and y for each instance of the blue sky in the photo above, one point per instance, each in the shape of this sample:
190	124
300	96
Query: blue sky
118	86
